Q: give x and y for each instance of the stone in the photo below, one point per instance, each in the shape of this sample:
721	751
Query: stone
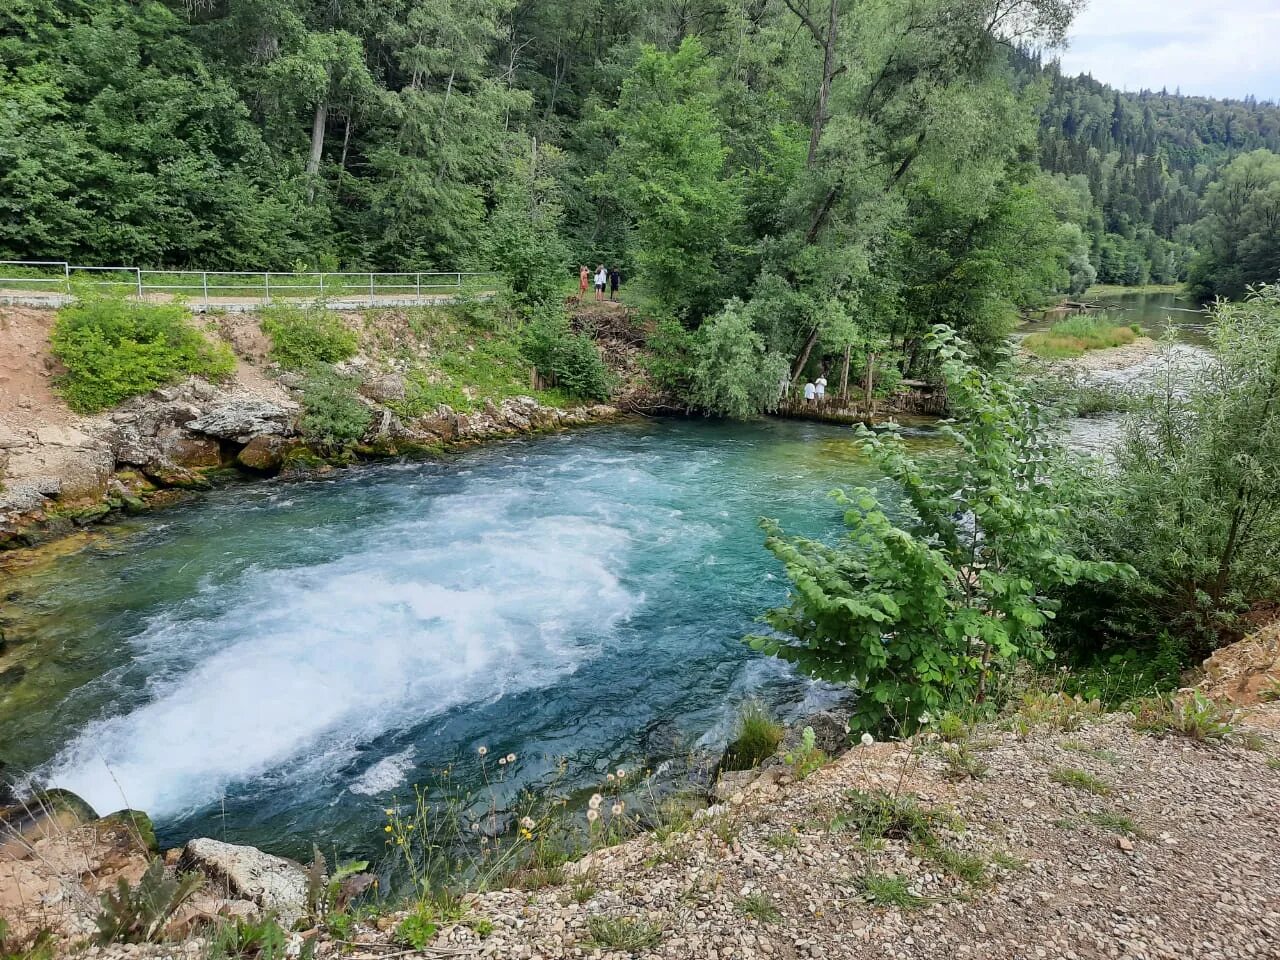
264	454
273	883
386	388
193	453
241	418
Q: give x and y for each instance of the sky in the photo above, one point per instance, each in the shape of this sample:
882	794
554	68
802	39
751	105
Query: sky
1216	48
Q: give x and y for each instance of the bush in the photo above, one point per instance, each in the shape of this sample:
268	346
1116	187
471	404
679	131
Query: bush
114	349
333	419
571	361
305	337
756	739
731	372
138	914
929	613
1192	504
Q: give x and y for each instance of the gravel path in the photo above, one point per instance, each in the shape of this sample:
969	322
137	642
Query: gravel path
1154	848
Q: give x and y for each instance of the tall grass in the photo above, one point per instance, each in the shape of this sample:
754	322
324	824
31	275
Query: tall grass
756	740
1073	336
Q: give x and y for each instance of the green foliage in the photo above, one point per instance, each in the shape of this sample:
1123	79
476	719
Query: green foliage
731	372
570	360
38	945
1190	715
1117	823
927	614
756	738
525	232
138	914
114	349
1117	677
248	938
305	337
888	890
760	907
1075	335
333	419
419	928
626	934
1241	241
1191	502
806	758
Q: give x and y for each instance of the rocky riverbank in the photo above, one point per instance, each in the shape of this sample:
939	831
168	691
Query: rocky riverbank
1056	832
60	471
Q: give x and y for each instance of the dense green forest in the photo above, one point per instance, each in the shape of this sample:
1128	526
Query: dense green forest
792	183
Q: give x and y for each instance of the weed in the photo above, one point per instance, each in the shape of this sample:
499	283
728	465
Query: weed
1080	780
888	890
1273	763
756	740
581	891
539	878
623	933
1097	753
419	928
1118	823
1270	693
138	914
759	906
1251	741
725	828
783	840
481	926
963	866
257	938
1075	335
806	758
39	945
674	815
1007	861
880	815
333	418
963	764
953	728
1059	710
1194	716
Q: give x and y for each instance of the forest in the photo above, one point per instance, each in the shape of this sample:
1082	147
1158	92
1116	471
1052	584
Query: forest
781	181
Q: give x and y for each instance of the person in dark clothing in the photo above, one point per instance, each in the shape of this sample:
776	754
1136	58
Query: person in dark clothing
615	281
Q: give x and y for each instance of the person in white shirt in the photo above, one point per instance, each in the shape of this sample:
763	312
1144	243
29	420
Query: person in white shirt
602	278
820	388
809	392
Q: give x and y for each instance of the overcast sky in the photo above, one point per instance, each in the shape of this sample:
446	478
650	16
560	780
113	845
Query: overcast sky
1220	48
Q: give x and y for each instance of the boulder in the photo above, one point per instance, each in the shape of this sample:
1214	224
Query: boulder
273	883
264	454
385	388
193	453
241	418
830	732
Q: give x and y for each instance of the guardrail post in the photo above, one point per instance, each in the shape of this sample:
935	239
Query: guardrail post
322	286
138	271
417	286
371	289
66	267
266	285
204	282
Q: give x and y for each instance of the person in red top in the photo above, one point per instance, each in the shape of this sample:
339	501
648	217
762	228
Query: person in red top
584	277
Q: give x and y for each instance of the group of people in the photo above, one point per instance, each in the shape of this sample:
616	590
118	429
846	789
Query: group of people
816	390
605	277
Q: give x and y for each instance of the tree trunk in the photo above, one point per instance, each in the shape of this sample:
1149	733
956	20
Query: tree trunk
870	384
803	359
844	374
318	124
346	140
829	72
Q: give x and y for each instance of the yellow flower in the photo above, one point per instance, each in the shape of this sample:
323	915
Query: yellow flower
387	828
389	812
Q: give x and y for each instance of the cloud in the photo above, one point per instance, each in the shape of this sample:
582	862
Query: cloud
1227	48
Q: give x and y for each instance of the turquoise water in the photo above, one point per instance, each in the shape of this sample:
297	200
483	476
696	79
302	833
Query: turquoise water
274	662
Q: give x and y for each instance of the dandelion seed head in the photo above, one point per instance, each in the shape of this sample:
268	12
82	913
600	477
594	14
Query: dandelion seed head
868	739
482	751
616	809
595	801
593	815
511	758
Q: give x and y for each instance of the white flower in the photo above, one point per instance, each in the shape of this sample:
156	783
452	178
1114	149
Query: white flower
593	815
502	761
609	777
868	739
527	823
925	719
511	758
595	801
621	773
482	751
475	827
617	808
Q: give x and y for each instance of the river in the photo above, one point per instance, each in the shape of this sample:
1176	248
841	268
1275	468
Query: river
274	662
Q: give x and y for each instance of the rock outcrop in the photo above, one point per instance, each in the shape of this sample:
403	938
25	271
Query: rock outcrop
273	883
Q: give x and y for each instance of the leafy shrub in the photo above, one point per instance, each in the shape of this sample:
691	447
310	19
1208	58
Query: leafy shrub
756	739
419	928
115	348
138	914
570	360
731	372
333	419
806	758
305	337
932	613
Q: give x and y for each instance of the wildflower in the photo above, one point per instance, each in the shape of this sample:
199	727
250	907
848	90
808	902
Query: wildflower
593	815
595	801
925	719
609	778
527	823
502	761
511	758
621	773
528	835
482	751
387	828
868	739
475	827
390	812
616	809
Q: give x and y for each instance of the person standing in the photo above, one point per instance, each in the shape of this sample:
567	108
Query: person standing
602	277
820	388
810	391
615	281
584	277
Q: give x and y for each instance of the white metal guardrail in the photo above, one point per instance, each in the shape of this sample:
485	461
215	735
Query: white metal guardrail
230	289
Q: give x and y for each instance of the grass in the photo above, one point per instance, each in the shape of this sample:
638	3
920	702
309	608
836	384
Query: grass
1081	780
1076	335
623	933
963	764
888	890
968	867
1273	763
1118	823
760	907
783	840
756	739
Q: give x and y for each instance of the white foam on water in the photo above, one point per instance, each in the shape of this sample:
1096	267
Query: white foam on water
299	666
385	775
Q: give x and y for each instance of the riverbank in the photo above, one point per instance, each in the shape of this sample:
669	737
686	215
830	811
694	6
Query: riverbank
60	471
1056	831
